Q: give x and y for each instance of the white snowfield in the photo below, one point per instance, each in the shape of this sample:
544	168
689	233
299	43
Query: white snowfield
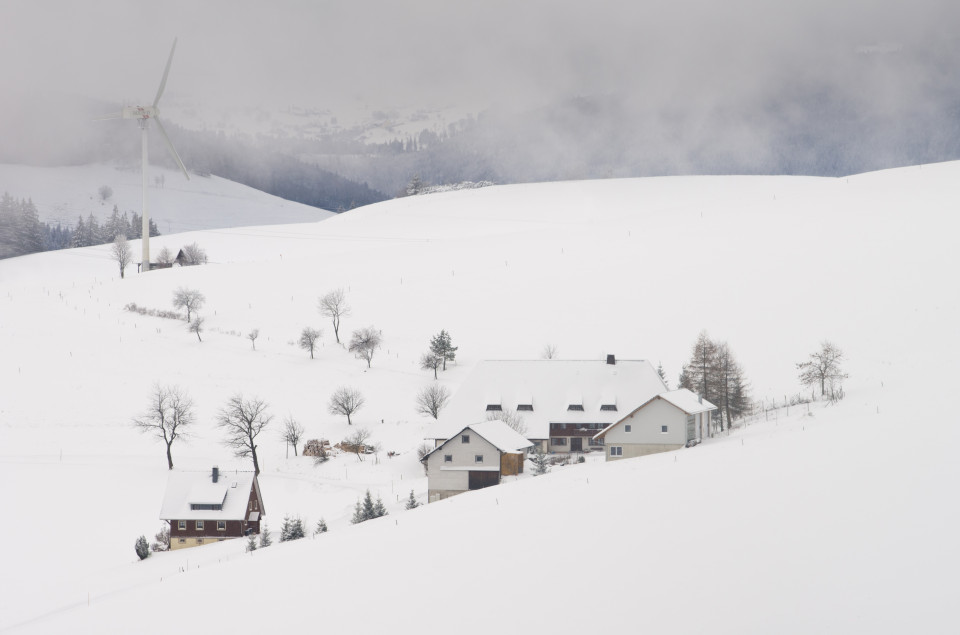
832	519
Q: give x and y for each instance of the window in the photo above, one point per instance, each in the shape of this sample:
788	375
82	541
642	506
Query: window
558	441
663	429
448	458
205	506
609	406
478	458
221	525
182	541
464	438
182	525
616	450
524	407
578	407
494	407
199	525
199	541
627	427
594	442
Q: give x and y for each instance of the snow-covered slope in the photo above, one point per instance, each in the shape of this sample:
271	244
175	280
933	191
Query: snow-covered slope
837	520
63	194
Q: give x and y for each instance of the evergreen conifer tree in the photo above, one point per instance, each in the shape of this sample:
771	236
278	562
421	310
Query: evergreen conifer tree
265	538
252	542
412	502
441	345
292	529
539	460
321	526
142	547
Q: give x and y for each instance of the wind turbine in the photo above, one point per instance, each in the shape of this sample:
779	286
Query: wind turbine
143	115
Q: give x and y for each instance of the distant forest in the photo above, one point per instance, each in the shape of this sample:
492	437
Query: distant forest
22	232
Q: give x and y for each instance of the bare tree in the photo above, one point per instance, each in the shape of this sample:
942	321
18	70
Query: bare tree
164	256
195	254
823	367
189	299
364	342
170	411
121	252
431	400
196	326
252	336
549	351
292	433
345	401
429	361
358	439
334	306
242	420
510	417
308	339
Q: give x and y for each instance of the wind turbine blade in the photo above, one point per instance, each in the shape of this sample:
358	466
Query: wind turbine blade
113	115
166	71
170	147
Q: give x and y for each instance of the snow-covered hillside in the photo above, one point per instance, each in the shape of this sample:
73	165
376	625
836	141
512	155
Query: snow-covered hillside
63	194
836	520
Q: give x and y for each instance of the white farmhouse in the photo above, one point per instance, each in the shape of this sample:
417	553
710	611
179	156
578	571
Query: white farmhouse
563	403
668	421
477	456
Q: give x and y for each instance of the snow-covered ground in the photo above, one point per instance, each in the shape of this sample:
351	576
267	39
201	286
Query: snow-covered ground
834	520
63	194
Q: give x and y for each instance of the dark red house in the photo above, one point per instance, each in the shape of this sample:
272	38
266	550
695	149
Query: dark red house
204	507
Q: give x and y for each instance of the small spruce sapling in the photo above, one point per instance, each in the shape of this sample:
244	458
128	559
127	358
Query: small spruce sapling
265	538
412	502
142	547
321	526
541	464
252	542
292	529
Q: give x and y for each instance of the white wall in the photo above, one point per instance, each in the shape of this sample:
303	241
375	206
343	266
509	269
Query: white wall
463	456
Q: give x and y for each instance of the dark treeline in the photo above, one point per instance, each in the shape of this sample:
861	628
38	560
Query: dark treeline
22	232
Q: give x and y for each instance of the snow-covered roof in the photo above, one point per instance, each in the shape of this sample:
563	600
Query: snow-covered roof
683	399
687	401
187	488
497	433
550	384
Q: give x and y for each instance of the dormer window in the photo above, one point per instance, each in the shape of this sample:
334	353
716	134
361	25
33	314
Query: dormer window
524	407
494	407
611	407
206	506
608	401
575	402
578	407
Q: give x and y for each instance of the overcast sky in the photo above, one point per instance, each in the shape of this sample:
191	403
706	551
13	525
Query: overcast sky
388	52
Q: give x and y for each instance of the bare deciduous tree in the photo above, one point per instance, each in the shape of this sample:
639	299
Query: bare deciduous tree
170	411
823	367
165	256
429	361
308	339
431	400
345	401
334	306
358	439
196	326
364	342
242	420
292	433
121	252
549	352
189	299
195	254
510	417
252	336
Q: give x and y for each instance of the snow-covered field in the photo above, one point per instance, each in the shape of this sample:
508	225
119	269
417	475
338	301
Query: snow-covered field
63	194
836	520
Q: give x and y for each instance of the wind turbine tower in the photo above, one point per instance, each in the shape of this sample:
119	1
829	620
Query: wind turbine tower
143	115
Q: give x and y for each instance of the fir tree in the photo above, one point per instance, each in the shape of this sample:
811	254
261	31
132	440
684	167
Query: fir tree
412	502
367	509
292	529
442	346
663	375
265	538
539	460
142	547
321	526
252	542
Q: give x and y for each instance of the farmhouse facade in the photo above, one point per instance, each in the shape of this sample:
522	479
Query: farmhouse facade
477	456
668	421
204	507
562	404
